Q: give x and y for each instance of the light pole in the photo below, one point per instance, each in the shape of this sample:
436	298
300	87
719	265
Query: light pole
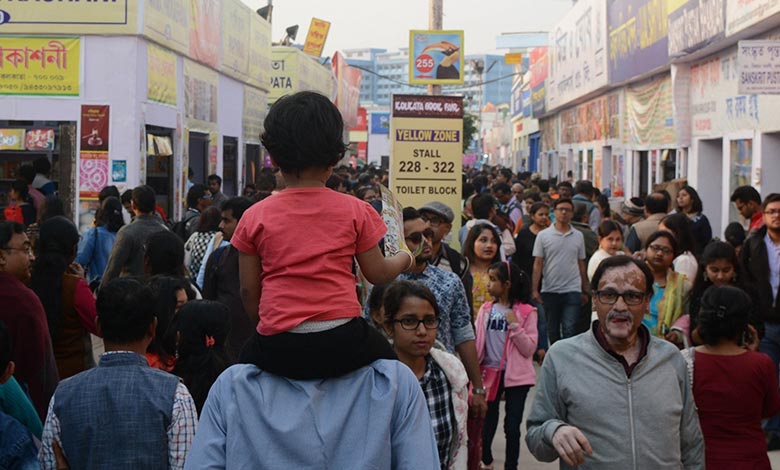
435	23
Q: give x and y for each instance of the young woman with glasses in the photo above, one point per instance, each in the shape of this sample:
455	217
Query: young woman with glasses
668	315
411	320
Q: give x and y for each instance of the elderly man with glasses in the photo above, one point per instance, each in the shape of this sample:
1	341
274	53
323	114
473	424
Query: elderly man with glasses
616	396
23	315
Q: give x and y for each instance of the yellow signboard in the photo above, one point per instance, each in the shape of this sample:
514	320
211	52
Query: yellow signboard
426	156
315	40
255	109
39	66
235	38
293	71
167	22
161	75
11	139
48	17
259	52
513	58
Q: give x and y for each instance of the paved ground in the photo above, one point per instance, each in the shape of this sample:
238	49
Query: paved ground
528	462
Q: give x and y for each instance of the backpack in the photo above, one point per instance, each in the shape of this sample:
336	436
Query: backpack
180	227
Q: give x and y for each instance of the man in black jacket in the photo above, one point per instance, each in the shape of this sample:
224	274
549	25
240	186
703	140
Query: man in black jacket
761	268
221	281
440	217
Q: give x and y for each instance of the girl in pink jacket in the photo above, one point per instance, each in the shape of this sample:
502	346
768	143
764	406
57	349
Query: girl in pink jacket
506	342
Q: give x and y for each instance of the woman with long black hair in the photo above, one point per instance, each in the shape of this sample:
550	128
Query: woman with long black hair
65	295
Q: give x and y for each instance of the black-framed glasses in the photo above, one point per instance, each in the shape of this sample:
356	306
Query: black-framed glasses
662	249
417	237
24	249
432	219
412	323
609	297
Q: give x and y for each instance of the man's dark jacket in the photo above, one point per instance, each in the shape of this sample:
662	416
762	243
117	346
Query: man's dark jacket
755	268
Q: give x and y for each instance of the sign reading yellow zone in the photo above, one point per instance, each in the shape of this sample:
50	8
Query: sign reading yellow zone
427	150
69	17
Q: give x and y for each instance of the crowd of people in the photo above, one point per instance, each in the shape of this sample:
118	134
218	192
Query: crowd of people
277	330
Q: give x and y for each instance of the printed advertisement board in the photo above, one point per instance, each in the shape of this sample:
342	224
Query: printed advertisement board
380	123
161	75
39	66
516	109
741	14
348	89
93	158
255	109
259	52
235	38
578	53
426	150
539	73
68	17
759	67
436	57
167	22
200	97
205	31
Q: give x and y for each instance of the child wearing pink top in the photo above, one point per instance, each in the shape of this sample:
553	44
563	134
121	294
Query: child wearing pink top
296	251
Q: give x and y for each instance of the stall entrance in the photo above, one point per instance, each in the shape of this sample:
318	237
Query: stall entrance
159	166
199	156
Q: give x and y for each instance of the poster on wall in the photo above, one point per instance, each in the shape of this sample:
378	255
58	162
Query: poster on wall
40	66
200	97
741	14
426	150
161	76
204	31
348	91
119	171
435	57
380	123
235	38
11	139
759	67
539	72
167	23
695	25
93	158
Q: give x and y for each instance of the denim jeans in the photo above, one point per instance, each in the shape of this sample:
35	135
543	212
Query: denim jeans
563	312
541	326
515	404
770	345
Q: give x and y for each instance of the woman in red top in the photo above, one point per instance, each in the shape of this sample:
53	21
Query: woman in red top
734	388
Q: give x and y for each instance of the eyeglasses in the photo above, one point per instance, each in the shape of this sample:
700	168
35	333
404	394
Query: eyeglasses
411	323
26	248
609	297
663	249
432	219
771	212
417	237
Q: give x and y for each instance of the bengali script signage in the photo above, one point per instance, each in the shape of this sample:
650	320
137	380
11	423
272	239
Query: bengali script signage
525	96
68	17
200	97
516	109
161	78
578	53
697	24
167	22
436	57
638	40
426	139
759	67
39	66
235	38
741	14
315	39
293	71
539	71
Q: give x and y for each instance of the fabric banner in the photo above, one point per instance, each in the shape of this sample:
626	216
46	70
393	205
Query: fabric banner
200	97
436	57
648	114
93	158
235	38
595	120
315	39
638	36
255	106
697	24
259	52
578	53
348	90
166	22
48	17
39	66
426	150
205	31
161	75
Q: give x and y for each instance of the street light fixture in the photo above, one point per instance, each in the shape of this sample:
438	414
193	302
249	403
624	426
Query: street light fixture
266	11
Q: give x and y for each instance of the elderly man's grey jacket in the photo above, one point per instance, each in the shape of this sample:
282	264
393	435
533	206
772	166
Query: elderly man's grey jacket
645	421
